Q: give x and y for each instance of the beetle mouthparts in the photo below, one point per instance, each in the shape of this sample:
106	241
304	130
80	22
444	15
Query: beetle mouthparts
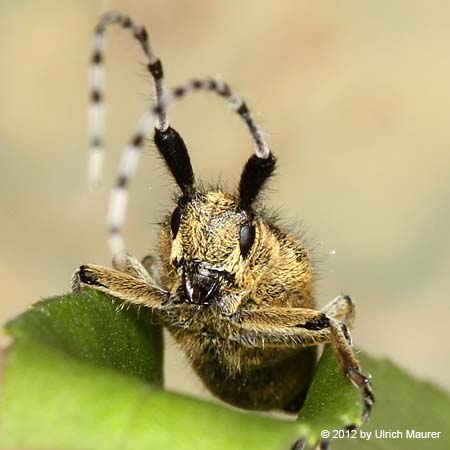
200	286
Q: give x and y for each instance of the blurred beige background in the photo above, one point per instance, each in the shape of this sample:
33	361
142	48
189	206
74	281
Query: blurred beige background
354	97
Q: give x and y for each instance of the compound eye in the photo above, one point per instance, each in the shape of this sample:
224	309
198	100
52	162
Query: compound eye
246	239
175	221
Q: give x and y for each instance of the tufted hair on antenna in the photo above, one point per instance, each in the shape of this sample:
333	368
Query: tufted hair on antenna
171	146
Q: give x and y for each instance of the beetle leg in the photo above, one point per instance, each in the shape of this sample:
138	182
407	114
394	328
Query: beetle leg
300	327
118	284
152	266
129	264
341	308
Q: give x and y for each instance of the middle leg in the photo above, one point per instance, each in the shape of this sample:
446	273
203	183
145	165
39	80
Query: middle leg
341	308
128	264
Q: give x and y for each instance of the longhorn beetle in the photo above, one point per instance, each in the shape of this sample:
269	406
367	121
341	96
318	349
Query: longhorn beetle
232	287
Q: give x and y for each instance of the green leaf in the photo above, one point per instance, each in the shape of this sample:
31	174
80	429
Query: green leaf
332	402
404	404
84	374
93	328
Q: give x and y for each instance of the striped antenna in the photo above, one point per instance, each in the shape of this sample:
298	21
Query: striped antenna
96	114
129	161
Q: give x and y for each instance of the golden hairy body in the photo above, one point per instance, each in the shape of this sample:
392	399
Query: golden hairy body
276	273
236	293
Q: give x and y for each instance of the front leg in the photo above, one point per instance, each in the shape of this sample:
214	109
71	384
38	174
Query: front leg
300	327
121	285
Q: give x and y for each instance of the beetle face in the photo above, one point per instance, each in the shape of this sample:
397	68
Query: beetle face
212	242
